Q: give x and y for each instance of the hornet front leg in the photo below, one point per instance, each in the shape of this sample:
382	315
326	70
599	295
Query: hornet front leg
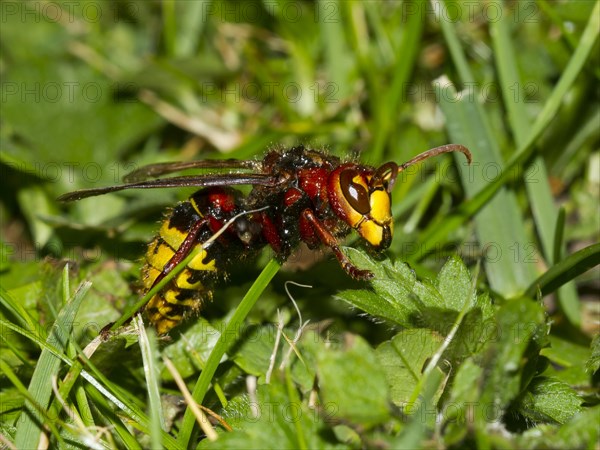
330	241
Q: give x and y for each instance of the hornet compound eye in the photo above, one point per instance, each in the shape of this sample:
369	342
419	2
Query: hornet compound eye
355	191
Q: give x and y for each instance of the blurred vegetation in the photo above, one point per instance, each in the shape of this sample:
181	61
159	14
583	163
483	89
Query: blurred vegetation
481	326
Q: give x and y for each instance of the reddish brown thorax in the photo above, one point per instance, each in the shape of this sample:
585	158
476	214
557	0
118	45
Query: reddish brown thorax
320	199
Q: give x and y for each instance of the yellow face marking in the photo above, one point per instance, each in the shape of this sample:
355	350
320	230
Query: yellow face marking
376	225
380	207
354	218
371	232
360	180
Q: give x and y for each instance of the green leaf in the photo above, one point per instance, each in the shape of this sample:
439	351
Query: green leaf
458	411
538	188
102	303
391	95
275	419
476	329
351	379
373	304
549	400
454	282
338	61
423	418
581	431
190	352
184	32
402	298
399	297
485	387
35	203
577	377
549	223
593	363
255	350
512	355
403	359
565	353
392	286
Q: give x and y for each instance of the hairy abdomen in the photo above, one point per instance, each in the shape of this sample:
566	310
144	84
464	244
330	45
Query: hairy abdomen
185	294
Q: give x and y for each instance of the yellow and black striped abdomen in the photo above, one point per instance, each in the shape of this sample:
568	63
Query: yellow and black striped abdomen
190	289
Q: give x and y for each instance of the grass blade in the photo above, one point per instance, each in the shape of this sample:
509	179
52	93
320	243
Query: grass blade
406	57
18	312
30	429
438	231
500	228
566	270
150	353
228	337
538	188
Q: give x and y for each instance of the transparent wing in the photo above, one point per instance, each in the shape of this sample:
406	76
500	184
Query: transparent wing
227	179
155	170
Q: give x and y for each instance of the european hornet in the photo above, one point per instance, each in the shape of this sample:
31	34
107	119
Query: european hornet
305	196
